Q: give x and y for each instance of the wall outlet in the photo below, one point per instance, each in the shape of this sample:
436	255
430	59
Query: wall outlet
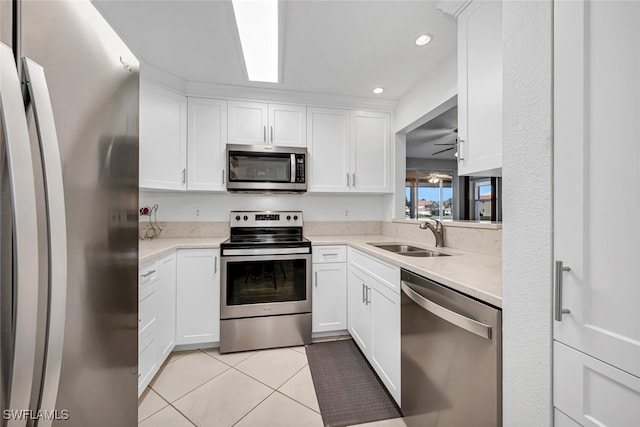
197	211
346	212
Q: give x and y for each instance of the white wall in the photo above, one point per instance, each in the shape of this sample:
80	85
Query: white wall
434	94
179	206
527	205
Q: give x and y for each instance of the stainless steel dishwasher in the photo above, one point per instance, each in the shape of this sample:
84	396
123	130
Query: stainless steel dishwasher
451	366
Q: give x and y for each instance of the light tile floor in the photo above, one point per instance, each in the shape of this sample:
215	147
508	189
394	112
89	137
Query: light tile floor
270	388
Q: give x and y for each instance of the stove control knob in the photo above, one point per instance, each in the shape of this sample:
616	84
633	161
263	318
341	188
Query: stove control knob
288	217
295	217
237	217
245	217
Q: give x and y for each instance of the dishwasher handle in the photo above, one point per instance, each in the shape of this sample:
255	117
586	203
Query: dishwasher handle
473	326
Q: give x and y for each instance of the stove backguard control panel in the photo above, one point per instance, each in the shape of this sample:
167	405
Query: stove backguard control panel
265	219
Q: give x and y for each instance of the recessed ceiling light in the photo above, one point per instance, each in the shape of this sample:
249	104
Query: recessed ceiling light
378	90
423	39
258	30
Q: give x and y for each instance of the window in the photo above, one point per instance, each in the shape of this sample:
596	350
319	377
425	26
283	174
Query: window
428	194
482	200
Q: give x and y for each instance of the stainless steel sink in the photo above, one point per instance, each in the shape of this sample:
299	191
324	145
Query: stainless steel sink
407	250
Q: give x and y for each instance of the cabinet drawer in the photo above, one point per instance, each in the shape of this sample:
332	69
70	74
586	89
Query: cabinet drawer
146	357
325	254
147	309
147	274
387	274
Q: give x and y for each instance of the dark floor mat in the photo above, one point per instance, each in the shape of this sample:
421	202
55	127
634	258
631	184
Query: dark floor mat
348	390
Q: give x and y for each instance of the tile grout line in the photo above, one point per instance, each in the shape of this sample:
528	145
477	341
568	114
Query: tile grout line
294	399
176	409
298	402
254	408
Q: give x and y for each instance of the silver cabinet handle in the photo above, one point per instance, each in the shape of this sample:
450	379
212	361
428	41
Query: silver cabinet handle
25	238
264	134
331	254
354	179
215	265
460	156
473	326
272	134
368	295
223	177
558	310
348	185
148	274
316	274
56	225
184	176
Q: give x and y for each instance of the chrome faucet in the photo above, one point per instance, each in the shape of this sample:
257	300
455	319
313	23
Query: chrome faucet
438	231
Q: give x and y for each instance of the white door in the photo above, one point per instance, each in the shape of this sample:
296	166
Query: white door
248	123
166	329
206	144
480	89
288	125
358	312
597	191
198	296
385	342
328	132
370	152
329	297
163	138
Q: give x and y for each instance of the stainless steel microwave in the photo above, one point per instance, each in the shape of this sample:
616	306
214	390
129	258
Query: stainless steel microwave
266	168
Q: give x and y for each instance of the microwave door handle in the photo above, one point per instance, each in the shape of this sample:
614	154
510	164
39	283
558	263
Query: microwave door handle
293	168
25	238
57	229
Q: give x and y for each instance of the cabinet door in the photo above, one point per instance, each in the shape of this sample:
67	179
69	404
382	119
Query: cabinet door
288	125
370	152
329	297
480	89
597	179
198	296
592	392
385	340
328	133
248	123
206	144
163	138
359	313
166	306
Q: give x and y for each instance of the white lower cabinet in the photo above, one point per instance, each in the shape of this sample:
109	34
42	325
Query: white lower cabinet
198	296
166	305
329	292
148	360
593	393
374	316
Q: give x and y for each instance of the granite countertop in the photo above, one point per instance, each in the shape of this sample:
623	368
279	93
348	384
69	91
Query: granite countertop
477	275
474	274
149	249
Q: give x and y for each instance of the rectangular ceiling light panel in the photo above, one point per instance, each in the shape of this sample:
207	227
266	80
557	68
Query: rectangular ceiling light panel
257	22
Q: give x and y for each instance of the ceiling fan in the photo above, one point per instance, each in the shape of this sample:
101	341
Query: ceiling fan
452	145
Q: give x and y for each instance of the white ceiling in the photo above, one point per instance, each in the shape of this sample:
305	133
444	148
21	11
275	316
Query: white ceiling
330	47
436	135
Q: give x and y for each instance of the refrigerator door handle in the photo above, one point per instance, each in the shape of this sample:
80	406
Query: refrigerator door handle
56	227
25	234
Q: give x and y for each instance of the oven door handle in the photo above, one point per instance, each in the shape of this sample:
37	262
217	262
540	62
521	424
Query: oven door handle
273	251
473	326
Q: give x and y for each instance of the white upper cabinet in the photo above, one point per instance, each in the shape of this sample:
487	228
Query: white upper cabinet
596	194
370	151
248	122
163	138
287	125
480	89
256	123
349	151
328	145
207	138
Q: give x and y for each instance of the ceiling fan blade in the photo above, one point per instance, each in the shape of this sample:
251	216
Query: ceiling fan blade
442	151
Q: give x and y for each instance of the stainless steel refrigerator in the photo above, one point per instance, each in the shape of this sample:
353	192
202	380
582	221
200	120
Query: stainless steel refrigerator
68	217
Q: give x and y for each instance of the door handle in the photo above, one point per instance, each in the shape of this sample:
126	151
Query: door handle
460	143
215	265
316	274
364	299
348	185
223	177
272	134
56	225
354	179
368	294
184	176
264	134
25	238
470	325
558	310
148	274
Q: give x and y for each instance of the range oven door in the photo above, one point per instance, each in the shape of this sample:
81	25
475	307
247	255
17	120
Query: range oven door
265	285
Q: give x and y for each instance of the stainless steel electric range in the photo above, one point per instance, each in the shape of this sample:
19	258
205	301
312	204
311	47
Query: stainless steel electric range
265	292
